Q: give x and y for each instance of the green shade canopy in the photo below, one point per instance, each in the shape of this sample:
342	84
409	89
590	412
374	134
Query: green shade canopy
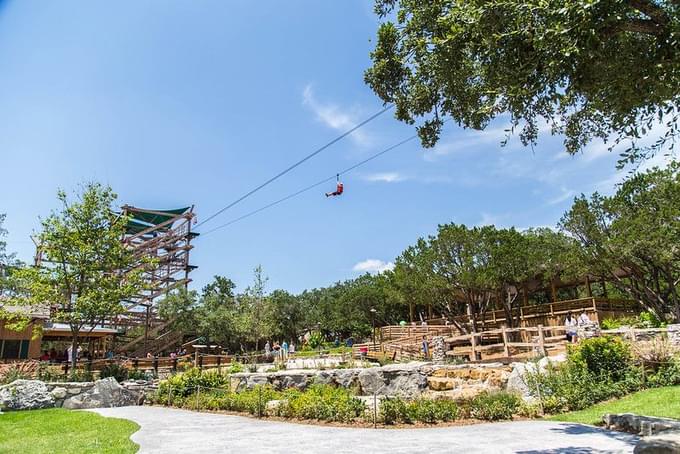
142	219
155	218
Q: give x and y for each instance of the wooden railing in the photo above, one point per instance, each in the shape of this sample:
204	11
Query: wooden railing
499	343
496	318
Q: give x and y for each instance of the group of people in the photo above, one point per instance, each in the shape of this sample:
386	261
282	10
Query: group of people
54	356
572	324
280	351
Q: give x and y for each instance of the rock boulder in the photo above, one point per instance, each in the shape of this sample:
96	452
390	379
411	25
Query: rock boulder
105	393
25	395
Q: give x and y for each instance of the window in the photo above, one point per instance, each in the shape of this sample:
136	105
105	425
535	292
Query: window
14	349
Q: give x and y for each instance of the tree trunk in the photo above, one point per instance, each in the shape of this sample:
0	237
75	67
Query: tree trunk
74	351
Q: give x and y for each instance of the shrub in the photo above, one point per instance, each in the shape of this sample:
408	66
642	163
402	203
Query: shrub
136	374
322	402
394	410
80	376
571	386
655	354
186	383
430	411
315	340
667	374
120	373
606	357
494	406
235	368
13	373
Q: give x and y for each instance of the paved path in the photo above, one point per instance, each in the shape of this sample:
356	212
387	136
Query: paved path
166	430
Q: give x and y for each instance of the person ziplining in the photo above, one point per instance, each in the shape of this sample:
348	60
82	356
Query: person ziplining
338	189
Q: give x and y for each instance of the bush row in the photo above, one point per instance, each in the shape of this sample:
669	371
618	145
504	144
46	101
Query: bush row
329	403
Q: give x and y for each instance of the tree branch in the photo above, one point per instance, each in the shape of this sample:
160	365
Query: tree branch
645	26
651	10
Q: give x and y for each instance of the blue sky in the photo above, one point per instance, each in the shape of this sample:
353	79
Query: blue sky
174	103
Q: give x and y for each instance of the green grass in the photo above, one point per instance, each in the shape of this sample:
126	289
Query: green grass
661	402
57	430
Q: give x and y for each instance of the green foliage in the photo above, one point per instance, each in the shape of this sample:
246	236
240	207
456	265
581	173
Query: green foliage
632	230
82	256
430	411
645	319
117	371
136	374
315	340
322	402
666	374
590	69
186	383
80	376
495	406
235	368
605	357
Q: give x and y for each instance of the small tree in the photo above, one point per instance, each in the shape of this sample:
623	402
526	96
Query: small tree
86	271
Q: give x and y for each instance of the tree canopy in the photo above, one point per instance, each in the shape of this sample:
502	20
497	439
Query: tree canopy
85	273
633	238
585	68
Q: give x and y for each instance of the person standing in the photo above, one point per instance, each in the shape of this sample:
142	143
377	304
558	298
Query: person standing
425	347
267	350
570	323
284	350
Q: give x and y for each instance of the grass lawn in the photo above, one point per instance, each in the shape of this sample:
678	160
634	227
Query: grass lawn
57	430
661	402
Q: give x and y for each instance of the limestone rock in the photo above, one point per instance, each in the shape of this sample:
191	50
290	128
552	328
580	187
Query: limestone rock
25	395
59	392
637	424
664	443
393	380
105	393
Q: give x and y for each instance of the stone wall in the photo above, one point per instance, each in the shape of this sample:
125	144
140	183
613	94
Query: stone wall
404	380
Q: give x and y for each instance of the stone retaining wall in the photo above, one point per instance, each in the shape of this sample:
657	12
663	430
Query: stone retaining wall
405	380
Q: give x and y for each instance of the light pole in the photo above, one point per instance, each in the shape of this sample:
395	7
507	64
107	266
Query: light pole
373	311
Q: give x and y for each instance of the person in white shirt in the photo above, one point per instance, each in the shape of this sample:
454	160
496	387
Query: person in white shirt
583	319
570	323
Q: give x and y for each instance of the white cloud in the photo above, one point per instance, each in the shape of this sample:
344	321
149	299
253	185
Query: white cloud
373	266
333	116
565	194
385	177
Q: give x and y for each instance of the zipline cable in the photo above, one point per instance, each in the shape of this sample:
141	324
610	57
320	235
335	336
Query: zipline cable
288	169
312	186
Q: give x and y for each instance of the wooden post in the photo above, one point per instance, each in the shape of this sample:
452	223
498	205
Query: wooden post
541	341
200	361
196	358
155	365
506	347
174	364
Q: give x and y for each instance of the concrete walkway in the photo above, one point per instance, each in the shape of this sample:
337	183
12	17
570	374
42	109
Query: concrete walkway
166	430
